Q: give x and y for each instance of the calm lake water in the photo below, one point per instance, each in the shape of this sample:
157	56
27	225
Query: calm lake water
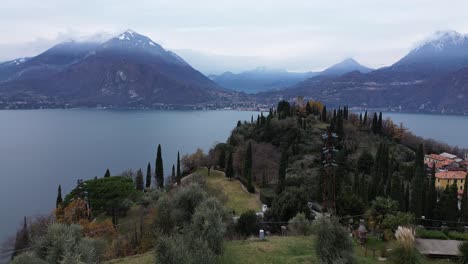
451	129
40	149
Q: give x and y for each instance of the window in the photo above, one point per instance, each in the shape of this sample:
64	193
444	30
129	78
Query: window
461	187
438	180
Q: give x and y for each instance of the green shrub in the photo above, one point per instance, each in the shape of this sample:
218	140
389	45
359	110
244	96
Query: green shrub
65	244
247	223
183	248
463	248
430	234
300	225
27	258
457	235
333	242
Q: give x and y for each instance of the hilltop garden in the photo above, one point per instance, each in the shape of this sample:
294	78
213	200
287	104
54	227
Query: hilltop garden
322	175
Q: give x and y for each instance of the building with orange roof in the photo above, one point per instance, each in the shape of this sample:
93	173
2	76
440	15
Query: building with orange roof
447	178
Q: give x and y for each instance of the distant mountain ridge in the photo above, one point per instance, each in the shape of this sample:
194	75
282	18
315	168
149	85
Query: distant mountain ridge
263	79
129	70
430	78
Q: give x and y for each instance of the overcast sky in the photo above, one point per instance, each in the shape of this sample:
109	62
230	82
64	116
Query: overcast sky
236	35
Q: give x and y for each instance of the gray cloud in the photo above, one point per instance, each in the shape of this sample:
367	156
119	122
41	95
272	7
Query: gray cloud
236	35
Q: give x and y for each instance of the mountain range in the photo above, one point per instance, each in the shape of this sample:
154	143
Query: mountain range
132	71
129	70
263	79
431	78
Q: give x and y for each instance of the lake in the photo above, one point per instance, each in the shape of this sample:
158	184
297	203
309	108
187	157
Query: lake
451	129
40	149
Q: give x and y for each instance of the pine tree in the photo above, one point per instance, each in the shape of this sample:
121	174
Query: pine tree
282	172
324	114
107	174
148	176
179	174
159	170
239	123
139	184
173	174
59	197
230	166
248	168
22	240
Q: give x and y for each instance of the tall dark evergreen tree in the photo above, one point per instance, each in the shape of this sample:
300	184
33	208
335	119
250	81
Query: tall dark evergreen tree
360	118
431	195
375	124
464	201
179	174
148	176
364	120
159	170
222	159
230	166
173	174
380	124
324	114
418	183
107	174
447	207
22	240
282	172
59	197
248	168
139	182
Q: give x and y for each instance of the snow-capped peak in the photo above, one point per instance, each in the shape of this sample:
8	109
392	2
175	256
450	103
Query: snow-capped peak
441	39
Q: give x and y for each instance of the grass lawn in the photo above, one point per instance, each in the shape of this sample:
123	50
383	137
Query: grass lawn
237	198
147	258
274	250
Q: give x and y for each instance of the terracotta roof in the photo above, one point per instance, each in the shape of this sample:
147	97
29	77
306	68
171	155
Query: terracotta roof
451	175
436	157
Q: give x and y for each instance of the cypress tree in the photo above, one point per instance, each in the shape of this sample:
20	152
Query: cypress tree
22	240
364	121
324	114
464	202
107	174
229	166
159	170
248	168
380	124
173	174
360	118
59	197
417	195
431	195
139	184
239	123
148	176
282	172
179	174
447	207
375	124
